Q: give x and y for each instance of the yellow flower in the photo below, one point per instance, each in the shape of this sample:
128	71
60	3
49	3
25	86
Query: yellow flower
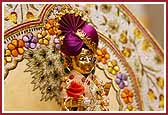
160	82
87	8
158	59
113	67
146	45
113	26
151	95
30	16
43	38
130	108
137	33
161	101
123	37
106	8
12	17
126	52
8	57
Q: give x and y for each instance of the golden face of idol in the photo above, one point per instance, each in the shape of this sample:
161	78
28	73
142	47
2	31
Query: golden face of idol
84	62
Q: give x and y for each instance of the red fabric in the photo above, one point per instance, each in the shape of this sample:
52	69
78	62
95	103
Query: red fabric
75	90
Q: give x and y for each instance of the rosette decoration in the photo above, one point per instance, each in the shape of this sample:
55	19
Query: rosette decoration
75	90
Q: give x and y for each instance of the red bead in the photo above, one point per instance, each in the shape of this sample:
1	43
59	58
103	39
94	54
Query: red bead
93	77
88	83
71	77
83	79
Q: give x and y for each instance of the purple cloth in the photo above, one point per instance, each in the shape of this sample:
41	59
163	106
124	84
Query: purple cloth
91	33
72	44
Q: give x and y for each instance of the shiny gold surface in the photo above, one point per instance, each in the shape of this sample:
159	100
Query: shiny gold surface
84	62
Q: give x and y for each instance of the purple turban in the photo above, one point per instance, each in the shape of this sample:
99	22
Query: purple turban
72	44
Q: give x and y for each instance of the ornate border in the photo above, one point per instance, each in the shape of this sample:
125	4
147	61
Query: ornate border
147	34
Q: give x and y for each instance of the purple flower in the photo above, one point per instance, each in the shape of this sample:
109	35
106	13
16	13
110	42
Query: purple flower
30	40
57	9
121	80
57	43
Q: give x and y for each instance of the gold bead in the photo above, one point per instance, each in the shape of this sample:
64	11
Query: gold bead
114	62
39	36
41	41
47	26
46	42
113	72
8	59
7	52
48	37
116	68
43	33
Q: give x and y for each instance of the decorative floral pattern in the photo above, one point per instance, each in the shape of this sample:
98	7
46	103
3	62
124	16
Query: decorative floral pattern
105	8
123	37
43	38
140	53
16	47
127	96
57	43
30	41
130	108
75	90
20	13
121	80
113	67
137	33
126	52
103	55
113	26
52	27
8	57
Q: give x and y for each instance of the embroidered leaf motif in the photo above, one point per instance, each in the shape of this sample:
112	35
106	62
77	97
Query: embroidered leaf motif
151	95
151	68
32	6
160	82
12	17
146	45
30	16
105	21
158	59
9	5
161	101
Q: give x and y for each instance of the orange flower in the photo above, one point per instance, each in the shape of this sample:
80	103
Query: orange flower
16	47
52	27
127	96
103	55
